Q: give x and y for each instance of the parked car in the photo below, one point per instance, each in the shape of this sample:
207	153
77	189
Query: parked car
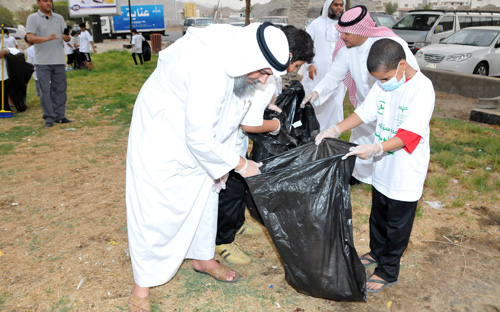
16	32
239	24
382	19
473	50
196	22
276	20
420	28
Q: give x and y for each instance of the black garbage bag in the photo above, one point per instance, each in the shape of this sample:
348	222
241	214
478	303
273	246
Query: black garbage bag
304	199
146	51
77	59
298	125
19	72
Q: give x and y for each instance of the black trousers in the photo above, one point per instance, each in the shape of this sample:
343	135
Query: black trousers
140	57
391	222
231	208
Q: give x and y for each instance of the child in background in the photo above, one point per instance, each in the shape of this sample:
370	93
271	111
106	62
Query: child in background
69	50
31	59
401	102
137	40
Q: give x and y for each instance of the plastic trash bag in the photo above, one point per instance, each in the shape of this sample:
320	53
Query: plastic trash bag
20	73
298	125
146	51
303	197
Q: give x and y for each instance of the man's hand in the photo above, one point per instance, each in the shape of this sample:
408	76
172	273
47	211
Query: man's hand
251	168
312	72
272	105
311	97
52	36
365	151
332	132
220	184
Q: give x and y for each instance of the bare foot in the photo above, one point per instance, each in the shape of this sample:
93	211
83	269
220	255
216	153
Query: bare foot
205	265
374	286
366	261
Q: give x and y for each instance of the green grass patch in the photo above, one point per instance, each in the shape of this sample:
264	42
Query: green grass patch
437	183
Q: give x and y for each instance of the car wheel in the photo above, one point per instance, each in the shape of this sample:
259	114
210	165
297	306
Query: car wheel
481	69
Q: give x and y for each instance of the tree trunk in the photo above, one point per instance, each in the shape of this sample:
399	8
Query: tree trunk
247	12
298	13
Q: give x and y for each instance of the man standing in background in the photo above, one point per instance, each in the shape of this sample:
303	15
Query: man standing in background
325	36
45	29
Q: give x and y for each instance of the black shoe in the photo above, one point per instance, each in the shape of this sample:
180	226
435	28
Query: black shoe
49	124
64	120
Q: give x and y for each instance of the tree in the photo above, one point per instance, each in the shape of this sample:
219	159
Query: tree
391	8
6	17
22	16
427	7
298	13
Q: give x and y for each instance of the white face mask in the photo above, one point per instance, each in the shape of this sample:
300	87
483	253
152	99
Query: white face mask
393	83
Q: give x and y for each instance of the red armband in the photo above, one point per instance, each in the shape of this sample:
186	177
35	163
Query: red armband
410	139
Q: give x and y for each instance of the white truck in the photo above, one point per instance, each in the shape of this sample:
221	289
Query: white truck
147	19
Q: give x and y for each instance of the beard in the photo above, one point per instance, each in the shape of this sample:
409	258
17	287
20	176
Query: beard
243	88
331	14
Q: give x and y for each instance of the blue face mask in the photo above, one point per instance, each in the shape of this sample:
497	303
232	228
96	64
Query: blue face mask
393	83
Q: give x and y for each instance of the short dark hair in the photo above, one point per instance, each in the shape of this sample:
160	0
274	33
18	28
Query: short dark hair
66	31
73	32
385	54
6	31
82	25
300	44
134	31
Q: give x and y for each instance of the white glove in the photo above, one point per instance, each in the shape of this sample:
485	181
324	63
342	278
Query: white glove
220	184
365	151
311	97
251	168
332	132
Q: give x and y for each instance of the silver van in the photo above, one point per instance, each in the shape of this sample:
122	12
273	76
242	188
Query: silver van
423	27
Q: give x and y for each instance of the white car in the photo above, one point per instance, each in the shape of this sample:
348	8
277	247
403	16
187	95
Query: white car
472	50
16	32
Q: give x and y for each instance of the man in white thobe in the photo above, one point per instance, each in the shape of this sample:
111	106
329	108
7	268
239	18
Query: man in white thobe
325	36
182	145
358	33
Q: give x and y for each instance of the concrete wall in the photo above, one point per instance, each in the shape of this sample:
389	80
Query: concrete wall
467	85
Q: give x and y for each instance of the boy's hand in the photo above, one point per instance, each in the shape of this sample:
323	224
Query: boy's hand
311	97
332	132
365	151
312	72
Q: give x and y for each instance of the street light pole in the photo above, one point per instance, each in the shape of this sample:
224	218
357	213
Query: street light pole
130	19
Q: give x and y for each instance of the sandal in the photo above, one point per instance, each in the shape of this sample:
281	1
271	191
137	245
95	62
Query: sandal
220	273
138	304
384	283
365	258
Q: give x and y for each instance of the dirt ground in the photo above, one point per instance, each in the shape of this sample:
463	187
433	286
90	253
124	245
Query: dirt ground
63	239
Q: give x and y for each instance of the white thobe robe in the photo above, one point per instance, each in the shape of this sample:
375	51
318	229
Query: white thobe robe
182	137
325	36
354	60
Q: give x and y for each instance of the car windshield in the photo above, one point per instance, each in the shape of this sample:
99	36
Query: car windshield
473	37
386	21
204	22
416	22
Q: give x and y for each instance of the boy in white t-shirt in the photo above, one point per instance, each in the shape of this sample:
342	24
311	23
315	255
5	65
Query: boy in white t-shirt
137	40
401	102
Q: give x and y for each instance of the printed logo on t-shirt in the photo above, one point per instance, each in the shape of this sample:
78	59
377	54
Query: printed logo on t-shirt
401	115
381	107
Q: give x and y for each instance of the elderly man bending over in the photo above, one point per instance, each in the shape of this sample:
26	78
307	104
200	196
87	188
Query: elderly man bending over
182	146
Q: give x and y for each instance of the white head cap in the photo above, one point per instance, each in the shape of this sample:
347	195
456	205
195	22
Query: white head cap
255	47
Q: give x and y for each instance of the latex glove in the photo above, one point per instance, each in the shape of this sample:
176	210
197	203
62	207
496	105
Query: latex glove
277	131
220	184
332	132
311	97
312	72
365	151
251	168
